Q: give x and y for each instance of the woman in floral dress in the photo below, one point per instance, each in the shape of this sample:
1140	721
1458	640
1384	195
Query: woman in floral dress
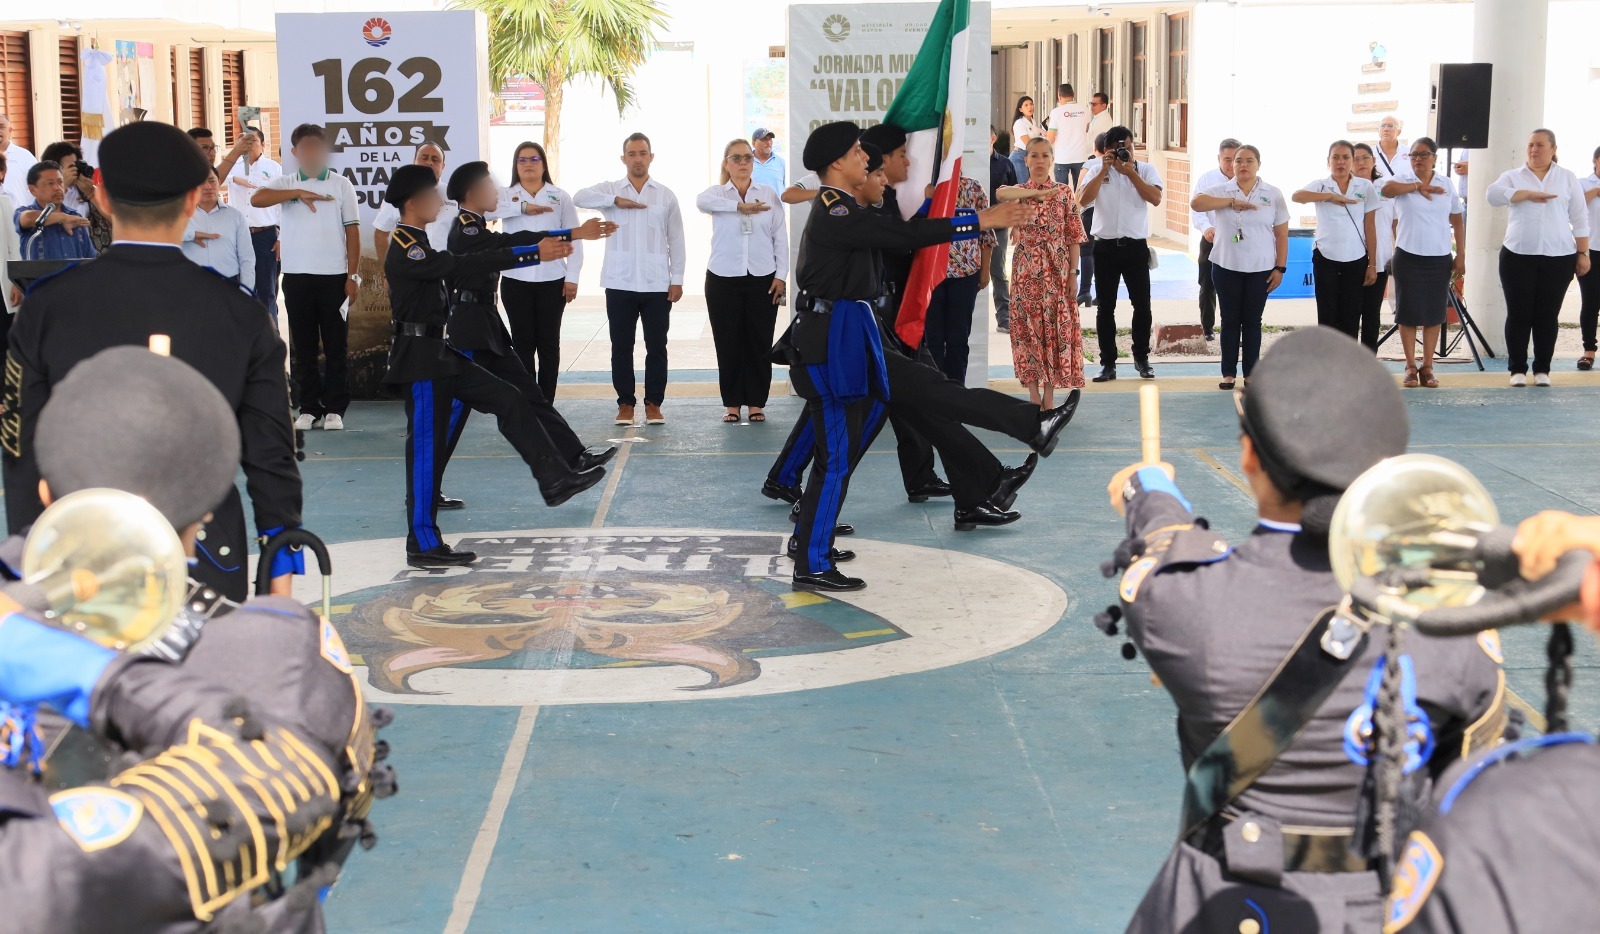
1046	341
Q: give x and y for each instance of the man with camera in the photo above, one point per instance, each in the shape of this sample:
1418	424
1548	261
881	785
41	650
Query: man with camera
1122	191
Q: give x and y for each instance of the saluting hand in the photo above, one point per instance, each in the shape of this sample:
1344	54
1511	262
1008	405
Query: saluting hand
200	237
553	250
1009	214
1427	190
528	207
592	229
1538	197
310	199
1333	197
753	207
629	204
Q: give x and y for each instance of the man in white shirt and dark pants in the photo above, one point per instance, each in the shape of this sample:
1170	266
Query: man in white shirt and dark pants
320	246
1069	135
1202	222
18	162
255	171
218	238
642	274
1122	190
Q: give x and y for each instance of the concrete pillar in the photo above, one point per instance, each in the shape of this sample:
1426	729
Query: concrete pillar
44	58
1511	35
165	79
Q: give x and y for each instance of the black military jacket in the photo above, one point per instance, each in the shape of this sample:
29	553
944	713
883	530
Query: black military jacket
475	322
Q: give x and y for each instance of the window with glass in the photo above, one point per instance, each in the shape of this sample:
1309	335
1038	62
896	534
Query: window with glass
1138	79
1106	76
1178	81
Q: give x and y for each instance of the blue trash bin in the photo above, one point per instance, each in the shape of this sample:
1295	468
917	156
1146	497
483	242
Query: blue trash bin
1298	282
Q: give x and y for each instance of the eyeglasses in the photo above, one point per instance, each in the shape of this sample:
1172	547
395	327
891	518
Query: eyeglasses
742	158
529	160
1423	155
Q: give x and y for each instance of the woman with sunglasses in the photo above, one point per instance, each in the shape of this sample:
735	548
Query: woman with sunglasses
744	280
1366	167
535	297
1429	220
1345	258
1248	256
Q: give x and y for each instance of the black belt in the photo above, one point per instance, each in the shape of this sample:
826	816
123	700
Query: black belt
267	227
1142	241
1327	851
474	298
403	329
824	306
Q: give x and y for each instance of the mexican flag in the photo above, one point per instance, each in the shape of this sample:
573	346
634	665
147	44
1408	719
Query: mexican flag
932	108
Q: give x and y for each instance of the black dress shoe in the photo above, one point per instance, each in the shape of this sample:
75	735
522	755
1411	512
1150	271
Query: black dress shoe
772	489
834	554
1086	300
446	501
1143	366
572	485
442	556
1053	422
830	579
927	491
588	459
984	514
840	529
1011	481
1106	374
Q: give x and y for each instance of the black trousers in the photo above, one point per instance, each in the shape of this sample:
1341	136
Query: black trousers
1208	292
433	407
948	334
1589	292
1534	287
1243	297
1086	285
1128	261
315	326
266	284
222	553
999	284
625	310
567	444
742	321
1372	310
534	310
1338	291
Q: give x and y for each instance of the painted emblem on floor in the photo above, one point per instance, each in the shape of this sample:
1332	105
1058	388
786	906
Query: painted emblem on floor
619	615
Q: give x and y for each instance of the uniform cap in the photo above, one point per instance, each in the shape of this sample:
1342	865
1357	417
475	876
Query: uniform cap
874	157
127	419
829	143
409	180
885	136
463	178
149	162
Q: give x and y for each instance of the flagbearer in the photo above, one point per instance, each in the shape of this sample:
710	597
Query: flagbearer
433	376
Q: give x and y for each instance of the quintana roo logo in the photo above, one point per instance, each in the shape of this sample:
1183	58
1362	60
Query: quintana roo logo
583	616
377	32
836	28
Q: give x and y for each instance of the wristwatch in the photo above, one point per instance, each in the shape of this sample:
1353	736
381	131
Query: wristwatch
1280	270
355	277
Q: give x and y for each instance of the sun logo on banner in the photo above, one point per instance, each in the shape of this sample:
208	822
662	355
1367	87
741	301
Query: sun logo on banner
836	28
376	31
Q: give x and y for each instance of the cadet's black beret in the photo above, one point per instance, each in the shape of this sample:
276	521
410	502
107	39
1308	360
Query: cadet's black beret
829	143
127	419
407	181
874	157
1321	410
463	178
149	162
885	136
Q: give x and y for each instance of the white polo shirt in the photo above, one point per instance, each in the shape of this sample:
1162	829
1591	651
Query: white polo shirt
1589	184
1550	228
1201	220
257	173
1023	131
1119	210
312	243
745	244
388	218
646	254
1246	241
563	215
1341	228
1070	121
1424	228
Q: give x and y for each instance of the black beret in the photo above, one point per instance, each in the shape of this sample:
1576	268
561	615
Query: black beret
463	178
874	157
1321	410
829	143
885	136
149	162
127	419
407	181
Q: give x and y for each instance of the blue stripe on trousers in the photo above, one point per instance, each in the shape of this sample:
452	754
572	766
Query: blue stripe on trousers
799	454
422	454
838	467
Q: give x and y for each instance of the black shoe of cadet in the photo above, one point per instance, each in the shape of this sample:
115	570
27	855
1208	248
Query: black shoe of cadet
441	556
446	501
834	554
571	485
772	489
1011	481
1145	371
929	490
1052	423
840	529
986	514
830	579
1107	374
588	459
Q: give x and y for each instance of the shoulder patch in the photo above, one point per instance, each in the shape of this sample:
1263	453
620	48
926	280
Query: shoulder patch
97	818
416	252
1414	880
1489	641
333	648
469	229
828	197
839	210
1134	577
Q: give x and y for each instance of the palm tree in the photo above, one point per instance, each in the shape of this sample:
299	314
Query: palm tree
554	41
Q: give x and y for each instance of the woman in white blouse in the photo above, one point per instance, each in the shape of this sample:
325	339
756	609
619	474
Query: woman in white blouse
1345	258
744	280
1366	167
1428	220
1248	256
1023	132
535	297
1547	243
1589	282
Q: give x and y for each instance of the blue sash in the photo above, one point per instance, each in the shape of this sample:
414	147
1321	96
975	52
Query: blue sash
855	353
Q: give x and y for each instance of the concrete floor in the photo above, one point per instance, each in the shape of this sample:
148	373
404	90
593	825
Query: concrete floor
981	760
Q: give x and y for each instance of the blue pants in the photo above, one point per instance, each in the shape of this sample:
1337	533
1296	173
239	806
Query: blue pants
266	284
1242	297
838	430
791	465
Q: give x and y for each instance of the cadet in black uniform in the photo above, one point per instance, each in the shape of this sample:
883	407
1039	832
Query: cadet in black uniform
432	376
151	175
476	328
1276	763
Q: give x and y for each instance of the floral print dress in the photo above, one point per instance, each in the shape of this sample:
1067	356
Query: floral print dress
1046	340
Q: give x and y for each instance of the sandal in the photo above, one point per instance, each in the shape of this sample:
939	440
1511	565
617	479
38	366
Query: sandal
758	416
1410	381
730	418
1586	362
1426	375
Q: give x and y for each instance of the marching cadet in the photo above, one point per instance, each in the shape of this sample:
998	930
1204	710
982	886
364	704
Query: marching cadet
433	376
476	328
1273	711
835	353
144	285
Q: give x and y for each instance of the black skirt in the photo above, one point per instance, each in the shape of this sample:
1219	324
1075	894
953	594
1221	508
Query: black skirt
1421	289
